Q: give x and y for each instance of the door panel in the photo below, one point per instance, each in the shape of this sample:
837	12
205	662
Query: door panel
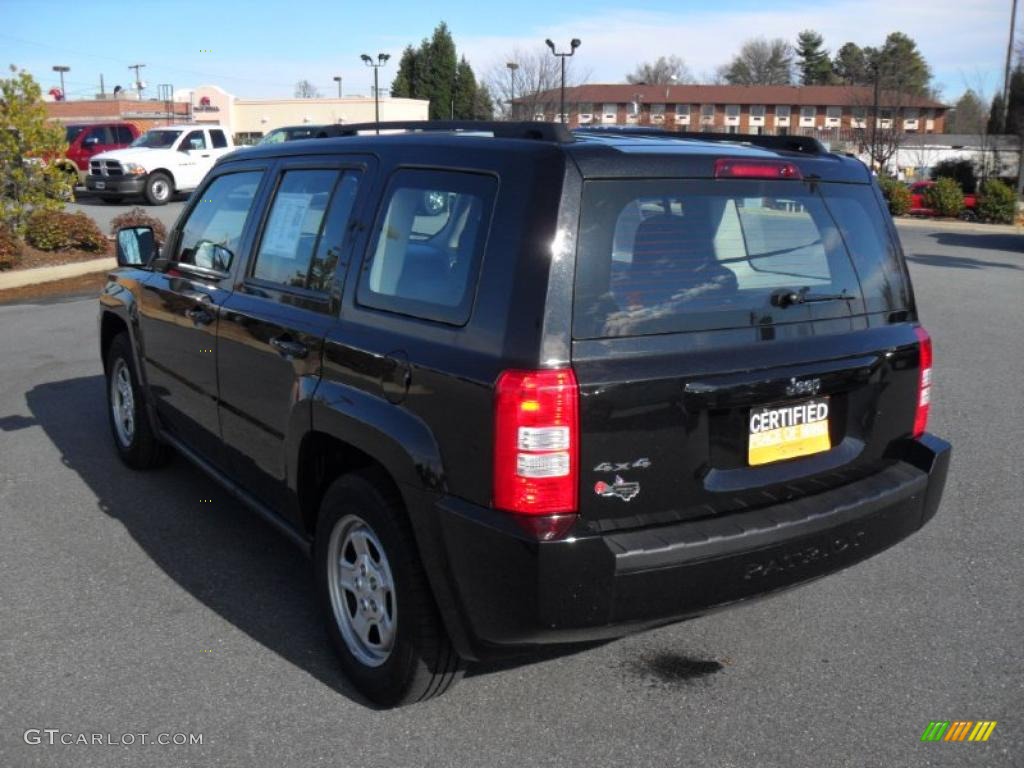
180	309
274	324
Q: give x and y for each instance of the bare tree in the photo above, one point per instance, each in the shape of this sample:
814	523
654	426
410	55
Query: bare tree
665	70
306	90
761	62
535	76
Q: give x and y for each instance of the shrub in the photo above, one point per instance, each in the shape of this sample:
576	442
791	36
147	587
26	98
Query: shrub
60	231
945	197
997	202
137	217
10	249
896	194
961	171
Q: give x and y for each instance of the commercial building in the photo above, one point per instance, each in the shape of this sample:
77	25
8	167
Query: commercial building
246	119
824	110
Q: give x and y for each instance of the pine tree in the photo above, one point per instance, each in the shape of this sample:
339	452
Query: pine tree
812	59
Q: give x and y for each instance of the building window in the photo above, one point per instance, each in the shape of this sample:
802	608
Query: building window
859	113
707	113
732	111
657	113
682	110
833	113
782	112
757	111
808	113
610	113
585	110
910	113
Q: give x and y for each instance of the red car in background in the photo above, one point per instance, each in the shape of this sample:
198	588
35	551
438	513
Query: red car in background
88	139
919	204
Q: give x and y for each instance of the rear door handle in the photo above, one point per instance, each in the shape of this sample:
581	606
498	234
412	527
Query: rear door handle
289	348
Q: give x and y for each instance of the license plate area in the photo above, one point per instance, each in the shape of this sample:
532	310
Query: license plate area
101	185
788	431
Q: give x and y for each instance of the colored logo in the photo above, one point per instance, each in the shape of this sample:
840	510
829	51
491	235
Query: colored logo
958	730
620	488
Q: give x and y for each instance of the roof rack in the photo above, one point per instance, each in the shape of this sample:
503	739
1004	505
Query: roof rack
806	144
556	132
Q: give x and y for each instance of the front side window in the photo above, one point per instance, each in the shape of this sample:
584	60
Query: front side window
665	256
428	244
218	139
213	231
157	139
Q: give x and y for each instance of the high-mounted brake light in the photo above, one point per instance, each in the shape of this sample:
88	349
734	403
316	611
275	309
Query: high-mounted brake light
924	381
536	442
738	168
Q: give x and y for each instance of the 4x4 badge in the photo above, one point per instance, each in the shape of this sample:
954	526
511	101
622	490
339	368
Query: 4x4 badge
622	466
622	489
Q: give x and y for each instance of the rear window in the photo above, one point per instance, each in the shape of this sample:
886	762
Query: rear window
664	256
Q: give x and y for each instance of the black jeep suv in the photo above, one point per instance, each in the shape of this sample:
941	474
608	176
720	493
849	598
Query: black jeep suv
510	385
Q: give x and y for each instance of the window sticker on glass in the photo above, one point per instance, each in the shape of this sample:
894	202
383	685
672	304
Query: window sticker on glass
282	237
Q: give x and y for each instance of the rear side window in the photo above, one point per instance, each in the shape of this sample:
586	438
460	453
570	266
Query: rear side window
428	243
218	139
663	256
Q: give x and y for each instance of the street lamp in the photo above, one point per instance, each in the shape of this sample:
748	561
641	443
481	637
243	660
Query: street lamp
382	59
337	79
573	45
62	69
512	67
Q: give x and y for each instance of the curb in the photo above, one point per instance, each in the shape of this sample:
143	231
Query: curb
962	226
23	277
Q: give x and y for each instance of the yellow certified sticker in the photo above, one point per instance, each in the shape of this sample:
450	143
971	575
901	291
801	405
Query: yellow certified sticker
788	431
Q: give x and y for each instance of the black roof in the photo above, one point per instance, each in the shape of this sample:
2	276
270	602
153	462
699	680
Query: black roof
608	151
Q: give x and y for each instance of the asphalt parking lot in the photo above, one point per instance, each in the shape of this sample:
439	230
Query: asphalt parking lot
103	213
131	606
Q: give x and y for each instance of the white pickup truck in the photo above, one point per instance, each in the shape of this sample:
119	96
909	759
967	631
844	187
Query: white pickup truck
158	164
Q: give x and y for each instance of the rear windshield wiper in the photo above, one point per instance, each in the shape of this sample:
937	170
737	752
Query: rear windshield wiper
784	297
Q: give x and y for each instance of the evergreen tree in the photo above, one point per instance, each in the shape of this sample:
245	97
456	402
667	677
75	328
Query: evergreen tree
812	59
900	65
968	116
850	66
464	107
995	115
405	78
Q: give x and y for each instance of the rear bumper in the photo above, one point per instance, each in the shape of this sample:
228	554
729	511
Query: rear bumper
500	591
115	185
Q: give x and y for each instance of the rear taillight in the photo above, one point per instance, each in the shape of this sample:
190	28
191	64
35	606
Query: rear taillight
536	442
924	381
738	168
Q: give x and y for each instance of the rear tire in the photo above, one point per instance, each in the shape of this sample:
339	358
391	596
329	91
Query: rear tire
159	189
381	615
133	435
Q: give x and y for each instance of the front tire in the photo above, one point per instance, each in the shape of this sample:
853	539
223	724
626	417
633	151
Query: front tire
381	615
136	443
159	189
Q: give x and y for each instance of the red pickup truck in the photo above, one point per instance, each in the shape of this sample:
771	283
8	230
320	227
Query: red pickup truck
88	139
919	204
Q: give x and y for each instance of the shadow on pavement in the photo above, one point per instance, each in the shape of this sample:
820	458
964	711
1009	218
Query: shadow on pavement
959	262
221	553
998	241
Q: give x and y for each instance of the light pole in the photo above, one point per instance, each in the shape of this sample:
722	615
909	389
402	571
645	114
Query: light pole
573	45
382	59
512	67
62	69
337	79
138	82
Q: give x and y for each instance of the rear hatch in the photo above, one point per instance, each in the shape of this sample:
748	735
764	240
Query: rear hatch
738	342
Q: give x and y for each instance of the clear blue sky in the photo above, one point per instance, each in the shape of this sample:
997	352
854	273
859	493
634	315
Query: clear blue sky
260	48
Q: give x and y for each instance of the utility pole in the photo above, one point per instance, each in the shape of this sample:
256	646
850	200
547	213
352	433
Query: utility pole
62	69
512	67
1006	74
382	59
573	45
337	79
874	115
103	93
138	82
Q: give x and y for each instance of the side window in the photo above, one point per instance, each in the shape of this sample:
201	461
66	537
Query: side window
213	230
194	140
99	134
328	250
218	139
427	245
124	135
293	227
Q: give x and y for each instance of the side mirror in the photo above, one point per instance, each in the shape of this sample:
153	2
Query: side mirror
433	203
136	246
